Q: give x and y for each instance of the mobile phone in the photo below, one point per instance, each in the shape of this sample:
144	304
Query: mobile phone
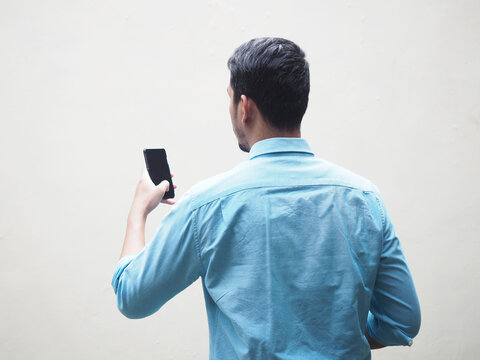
158	169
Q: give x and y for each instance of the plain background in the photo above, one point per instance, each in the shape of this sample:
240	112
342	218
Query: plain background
86	85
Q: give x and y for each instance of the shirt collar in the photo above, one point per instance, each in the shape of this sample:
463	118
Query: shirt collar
279	145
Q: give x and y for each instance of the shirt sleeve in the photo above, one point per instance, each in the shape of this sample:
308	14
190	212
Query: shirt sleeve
394	317
167	265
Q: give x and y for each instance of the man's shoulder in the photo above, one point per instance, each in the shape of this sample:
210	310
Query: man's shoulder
338	175
315	172
214	187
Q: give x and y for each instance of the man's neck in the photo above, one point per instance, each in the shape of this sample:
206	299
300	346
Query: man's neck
272	133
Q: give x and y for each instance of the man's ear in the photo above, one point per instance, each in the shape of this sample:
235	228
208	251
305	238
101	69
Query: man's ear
245	108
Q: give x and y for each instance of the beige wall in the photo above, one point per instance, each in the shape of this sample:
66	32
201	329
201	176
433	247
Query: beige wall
86	85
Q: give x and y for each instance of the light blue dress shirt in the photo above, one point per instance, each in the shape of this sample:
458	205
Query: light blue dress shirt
297	256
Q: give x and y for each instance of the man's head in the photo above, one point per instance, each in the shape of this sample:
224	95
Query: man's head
269	76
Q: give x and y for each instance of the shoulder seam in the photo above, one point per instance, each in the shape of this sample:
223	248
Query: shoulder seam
195	241
381	210
196	206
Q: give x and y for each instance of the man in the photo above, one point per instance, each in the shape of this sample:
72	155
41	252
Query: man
298	257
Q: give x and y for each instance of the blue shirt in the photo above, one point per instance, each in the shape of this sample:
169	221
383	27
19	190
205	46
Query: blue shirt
297	256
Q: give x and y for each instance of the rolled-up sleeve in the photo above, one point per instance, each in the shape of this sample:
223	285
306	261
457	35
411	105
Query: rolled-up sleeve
167	265
394	317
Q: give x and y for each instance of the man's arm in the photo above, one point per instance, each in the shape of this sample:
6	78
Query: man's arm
394	317
147	197
147	276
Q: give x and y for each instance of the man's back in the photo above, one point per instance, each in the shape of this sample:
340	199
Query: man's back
290	249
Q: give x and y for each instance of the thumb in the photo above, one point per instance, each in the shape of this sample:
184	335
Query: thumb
164	185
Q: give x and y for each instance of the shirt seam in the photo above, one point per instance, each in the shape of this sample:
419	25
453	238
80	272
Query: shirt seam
381	211
195	241
368	212
227	194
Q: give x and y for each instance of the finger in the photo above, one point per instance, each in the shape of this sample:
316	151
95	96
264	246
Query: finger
174	186
169	201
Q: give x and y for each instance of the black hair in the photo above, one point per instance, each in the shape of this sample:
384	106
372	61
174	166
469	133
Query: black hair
274	73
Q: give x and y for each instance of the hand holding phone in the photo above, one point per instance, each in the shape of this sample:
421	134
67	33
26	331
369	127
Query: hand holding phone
158	169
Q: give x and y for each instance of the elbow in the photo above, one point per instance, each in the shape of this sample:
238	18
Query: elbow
135	300
134	303
131	313
390	332
412	327
135	308
128	301
130	309
130	306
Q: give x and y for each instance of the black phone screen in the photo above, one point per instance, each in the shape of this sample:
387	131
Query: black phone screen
158	169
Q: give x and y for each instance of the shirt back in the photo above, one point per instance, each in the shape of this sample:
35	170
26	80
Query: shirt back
290	249
293	252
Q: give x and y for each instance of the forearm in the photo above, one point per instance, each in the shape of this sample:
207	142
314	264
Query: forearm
147	197
135	235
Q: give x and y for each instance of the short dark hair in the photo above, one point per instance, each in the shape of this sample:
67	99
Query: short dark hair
274	73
